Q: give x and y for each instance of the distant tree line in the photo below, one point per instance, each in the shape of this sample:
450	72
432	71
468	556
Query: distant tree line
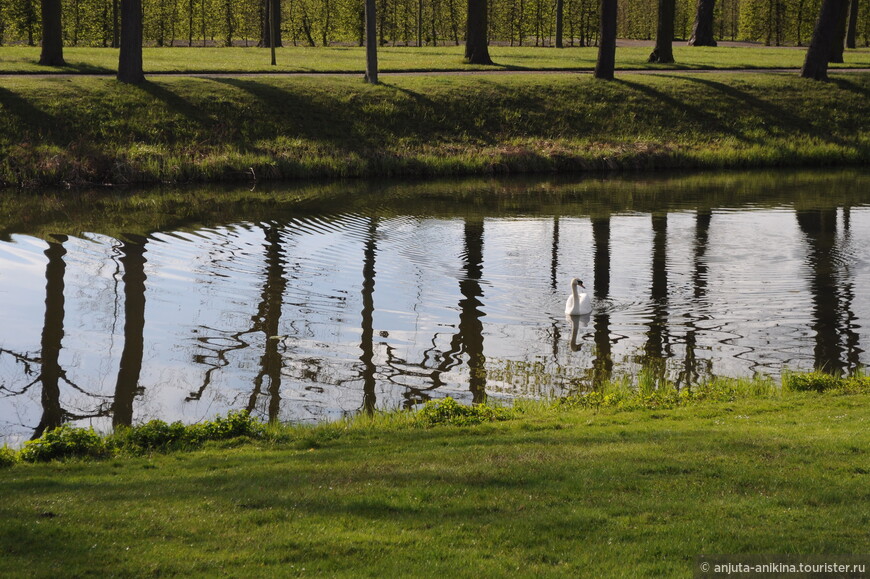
419	22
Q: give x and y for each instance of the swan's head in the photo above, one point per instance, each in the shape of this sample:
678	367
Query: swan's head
575	282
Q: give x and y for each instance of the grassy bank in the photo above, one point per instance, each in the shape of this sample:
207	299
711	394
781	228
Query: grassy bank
630	55
94	130
568	491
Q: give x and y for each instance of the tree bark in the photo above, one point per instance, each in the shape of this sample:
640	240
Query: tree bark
702	30
371	42
606	63
840	33
664	51
852	30
560	12
476	42
52	34
130	57
271	17
816	61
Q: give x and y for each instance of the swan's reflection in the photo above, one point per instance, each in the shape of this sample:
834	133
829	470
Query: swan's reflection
577	322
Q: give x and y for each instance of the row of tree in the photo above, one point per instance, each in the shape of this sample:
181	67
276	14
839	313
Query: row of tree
417	22
826	46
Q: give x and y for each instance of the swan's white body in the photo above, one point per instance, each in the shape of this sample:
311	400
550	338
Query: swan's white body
578	304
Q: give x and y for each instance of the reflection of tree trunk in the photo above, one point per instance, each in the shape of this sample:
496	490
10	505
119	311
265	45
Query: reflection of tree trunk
699	282
853	349
368	329
655	346
268	320
133	260
820	228
471	312
554	281
603	364
52	336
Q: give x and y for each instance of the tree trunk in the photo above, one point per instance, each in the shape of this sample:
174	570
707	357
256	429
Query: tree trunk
816	61
607	41
560	12
52	34
271	17
702	30
371	42
476	43
840	33
130	57
852	31
663	51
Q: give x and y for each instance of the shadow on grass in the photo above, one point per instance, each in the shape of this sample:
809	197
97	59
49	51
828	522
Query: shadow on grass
774	115
706	120
42	125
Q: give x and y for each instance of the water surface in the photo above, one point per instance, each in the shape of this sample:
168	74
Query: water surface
308	303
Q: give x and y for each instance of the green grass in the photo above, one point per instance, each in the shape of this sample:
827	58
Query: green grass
555	492
94	130
18	59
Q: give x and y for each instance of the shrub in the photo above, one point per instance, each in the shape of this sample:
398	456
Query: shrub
153	435
8	456
449	411
235	424
65	442
812	382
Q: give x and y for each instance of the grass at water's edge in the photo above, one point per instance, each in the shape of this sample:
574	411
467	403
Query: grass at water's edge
562	490
96	131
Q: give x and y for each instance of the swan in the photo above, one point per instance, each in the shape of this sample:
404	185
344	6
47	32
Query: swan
578	304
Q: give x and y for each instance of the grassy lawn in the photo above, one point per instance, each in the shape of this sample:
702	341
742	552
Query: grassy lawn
95	130
568	493
352	59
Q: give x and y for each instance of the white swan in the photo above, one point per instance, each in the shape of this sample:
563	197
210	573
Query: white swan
578	304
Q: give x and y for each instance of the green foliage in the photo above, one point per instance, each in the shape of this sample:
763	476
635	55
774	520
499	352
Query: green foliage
8	456
655	392
823	382
160	436
235	424
449	411
408	22
64	443
70	442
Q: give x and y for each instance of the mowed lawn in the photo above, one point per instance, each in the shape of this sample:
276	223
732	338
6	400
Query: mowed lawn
553	493
630	55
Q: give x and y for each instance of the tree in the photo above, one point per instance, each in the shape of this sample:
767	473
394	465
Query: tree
130	57
52	34
560	11
816	61
702	29
271	10
851	32
371	42
663	51
607	44
476	41
840	33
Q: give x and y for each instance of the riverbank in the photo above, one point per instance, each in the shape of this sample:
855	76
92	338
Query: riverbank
94	131
591	489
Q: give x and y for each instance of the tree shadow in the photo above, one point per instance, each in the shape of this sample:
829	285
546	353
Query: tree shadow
775	116
41	123
704	118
